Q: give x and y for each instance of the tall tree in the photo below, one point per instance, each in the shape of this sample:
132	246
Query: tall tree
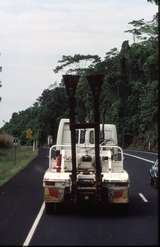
154	1
75	63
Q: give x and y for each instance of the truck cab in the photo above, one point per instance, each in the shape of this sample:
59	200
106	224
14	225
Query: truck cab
85	136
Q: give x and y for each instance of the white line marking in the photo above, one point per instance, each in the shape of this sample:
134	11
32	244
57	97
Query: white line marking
150	161
145	152
34	226
143	197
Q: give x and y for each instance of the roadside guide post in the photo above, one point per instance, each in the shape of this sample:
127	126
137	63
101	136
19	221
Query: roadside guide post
15	143
34	144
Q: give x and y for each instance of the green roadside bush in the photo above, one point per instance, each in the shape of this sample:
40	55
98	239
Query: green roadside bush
6	141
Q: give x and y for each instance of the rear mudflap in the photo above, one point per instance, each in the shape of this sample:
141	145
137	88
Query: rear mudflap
118	194
53	194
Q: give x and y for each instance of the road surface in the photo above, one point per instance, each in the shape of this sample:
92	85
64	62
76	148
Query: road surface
23	220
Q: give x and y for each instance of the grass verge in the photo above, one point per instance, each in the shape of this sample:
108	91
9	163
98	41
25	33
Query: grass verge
12	161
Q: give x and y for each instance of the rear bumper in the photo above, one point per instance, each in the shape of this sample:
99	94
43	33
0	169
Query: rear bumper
111	193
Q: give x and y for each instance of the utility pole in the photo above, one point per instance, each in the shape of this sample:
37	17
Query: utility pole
124	69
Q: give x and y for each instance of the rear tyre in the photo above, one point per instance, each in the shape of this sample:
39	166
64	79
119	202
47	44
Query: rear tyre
152	181
121	209
125	208
156	183
48	208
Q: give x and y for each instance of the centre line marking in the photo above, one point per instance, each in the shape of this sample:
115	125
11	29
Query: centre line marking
145	152
34	226
150	161
143	197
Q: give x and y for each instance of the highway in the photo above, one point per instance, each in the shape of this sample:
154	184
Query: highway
23	220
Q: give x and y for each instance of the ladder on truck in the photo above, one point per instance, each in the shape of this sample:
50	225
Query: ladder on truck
95	81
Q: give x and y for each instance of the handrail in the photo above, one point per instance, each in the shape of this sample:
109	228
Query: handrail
84	146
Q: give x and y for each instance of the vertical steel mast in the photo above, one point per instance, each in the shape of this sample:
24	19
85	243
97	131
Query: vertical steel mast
95	81
71	82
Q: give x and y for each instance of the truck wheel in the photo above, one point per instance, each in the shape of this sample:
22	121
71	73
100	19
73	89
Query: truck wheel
121	209
125	208
152	181
48	208
157	183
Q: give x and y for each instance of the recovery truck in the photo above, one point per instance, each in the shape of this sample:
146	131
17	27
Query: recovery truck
86	163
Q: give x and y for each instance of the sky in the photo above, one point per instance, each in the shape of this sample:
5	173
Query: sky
35	34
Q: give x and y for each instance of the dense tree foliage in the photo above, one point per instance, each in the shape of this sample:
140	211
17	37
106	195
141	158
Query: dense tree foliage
129	95
154	1
43	117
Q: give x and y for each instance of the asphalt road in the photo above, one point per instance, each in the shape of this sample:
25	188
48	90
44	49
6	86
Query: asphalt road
22	197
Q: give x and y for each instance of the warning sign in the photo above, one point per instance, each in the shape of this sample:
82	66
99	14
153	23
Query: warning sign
29	133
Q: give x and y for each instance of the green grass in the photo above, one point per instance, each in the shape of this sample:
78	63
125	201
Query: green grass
9	165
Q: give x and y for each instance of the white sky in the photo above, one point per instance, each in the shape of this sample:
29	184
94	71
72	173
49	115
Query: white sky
34	34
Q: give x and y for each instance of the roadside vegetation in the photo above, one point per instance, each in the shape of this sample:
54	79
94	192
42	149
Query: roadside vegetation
12	160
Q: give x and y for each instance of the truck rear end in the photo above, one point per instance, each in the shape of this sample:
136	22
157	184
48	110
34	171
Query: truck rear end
86	162
57	180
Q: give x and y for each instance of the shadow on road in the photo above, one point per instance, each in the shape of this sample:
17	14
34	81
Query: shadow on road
135	208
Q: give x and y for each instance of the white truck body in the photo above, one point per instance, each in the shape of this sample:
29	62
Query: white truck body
57	179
